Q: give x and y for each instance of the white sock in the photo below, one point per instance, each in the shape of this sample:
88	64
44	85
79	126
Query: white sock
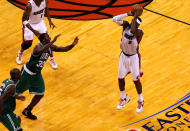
140	97
123	94
20	51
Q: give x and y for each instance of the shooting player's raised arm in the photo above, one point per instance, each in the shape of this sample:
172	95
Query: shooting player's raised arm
119	18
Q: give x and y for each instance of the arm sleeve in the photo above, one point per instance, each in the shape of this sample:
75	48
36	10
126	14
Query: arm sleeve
118	19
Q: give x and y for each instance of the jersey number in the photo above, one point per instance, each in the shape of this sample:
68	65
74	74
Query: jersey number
40	64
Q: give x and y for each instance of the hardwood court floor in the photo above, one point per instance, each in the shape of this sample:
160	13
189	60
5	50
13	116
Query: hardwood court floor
82	94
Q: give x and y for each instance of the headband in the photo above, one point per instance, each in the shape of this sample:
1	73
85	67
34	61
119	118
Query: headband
138	21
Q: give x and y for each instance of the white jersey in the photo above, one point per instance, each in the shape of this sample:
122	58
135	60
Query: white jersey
129	42
37	12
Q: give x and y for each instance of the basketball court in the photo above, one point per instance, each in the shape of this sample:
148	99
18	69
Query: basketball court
82	94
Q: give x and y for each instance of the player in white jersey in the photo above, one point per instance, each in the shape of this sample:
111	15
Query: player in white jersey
129	61
33	22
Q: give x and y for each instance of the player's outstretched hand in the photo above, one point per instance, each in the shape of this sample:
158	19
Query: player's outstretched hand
75	40
51	25
55	38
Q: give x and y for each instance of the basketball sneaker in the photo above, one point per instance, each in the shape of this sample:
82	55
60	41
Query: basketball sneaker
29	114
122	103
53	63
19	58
140	106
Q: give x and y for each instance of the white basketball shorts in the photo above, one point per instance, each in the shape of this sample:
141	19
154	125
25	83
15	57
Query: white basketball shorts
28	34
129	64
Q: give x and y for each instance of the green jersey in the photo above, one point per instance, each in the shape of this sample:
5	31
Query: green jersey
10	104
36	63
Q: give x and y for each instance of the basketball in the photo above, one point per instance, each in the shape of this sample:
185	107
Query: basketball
137	9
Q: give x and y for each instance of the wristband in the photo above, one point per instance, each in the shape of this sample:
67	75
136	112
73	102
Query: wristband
138	21
25	22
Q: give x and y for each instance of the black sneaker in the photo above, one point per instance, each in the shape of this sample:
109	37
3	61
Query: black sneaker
29	114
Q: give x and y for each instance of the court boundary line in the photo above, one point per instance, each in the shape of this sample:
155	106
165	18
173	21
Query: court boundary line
166	16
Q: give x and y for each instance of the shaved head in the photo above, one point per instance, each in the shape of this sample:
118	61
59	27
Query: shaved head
15	74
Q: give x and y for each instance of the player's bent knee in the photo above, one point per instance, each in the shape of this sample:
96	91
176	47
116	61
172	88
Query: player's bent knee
137	78
25	45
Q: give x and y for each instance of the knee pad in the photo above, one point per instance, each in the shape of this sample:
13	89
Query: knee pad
25	46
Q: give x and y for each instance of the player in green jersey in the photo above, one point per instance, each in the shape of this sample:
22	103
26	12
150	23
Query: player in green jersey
8	102
31	72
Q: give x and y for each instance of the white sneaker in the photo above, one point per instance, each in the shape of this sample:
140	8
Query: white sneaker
140	106
19	58
53	63
123	102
